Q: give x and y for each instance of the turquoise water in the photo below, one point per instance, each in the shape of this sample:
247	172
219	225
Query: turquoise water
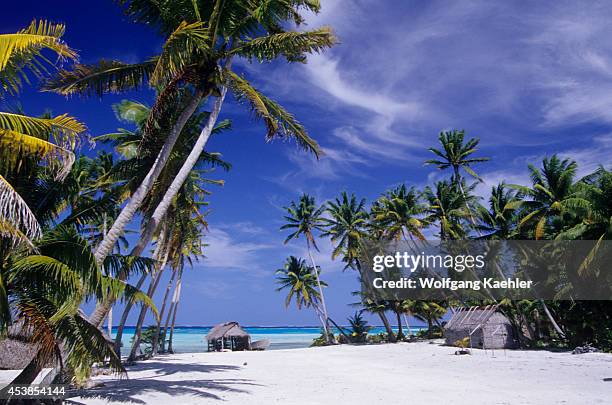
191	339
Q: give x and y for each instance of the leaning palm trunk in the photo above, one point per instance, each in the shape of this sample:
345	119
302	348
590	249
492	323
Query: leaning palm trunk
387	325
176	303
408	329
143	310
182	175
400	331
147	234
329	339
552	319
124	316
162	311
129	304
126	215
170	311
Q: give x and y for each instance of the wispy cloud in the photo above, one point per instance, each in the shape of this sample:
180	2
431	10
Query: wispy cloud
497	69
227	252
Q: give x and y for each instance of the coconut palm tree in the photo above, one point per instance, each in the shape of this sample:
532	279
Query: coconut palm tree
457	156
46	284
46	289
301	282
545	206
500	220
303	219
596	222
447	207
139	153
397	211
346	226
186	226
430	312
201	42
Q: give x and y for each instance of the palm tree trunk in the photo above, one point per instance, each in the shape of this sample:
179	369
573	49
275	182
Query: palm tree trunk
127	213
408	330
169	317
170	311
147	234
129	304
552	319
176	303
143	310
400	332
385	321
124	317
162	311
181	176
329	339
29	373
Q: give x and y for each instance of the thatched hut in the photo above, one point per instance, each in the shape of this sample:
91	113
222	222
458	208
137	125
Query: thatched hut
486	328
228	336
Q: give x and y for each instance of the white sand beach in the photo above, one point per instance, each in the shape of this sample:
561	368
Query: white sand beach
376	374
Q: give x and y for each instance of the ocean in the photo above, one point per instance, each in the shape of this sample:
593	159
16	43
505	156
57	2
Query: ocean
190	339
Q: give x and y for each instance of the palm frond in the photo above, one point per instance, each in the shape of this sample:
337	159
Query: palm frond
279	122
107	76
179	50
15	146
38	35
293	45
15	211
21	52
62	128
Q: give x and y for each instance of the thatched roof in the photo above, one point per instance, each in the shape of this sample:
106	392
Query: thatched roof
473	317
15	351
228	329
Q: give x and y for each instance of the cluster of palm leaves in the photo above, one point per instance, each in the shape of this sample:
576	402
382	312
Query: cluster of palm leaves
556	206
63	217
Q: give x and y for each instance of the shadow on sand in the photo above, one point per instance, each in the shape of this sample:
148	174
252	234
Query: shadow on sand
128	389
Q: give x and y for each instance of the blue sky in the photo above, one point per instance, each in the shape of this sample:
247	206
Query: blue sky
528	80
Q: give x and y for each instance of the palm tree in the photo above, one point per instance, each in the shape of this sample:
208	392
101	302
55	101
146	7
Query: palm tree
303	219
45	290
359	327
595	223
397	213
186	228
457	156
551	197
201	42
301	282
430	312
46	284
499	221
447	207
346	226
139	153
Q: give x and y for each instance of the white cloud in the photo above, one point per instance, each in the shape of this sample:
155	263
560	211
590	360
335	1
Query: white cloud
226	252
497	69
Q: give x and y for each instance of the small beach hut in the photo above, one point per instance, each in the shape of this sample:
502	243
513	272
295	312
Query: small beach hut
486	327
228	336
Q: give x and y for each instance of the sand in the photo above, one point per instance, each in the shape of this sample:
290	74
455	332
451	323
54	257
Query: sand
405	373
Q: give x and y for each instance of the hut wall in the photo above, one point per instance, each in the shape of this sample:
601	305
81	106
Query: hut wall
496	331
